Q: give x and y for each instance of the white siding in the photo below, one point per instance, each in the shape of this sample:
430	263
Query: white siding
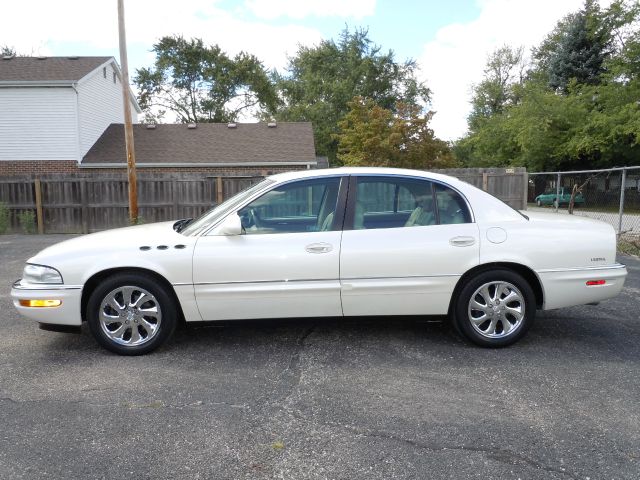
38	124
100	104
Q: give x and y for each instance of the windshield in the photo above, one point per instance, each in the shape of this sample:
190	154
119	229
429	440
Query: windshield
212	216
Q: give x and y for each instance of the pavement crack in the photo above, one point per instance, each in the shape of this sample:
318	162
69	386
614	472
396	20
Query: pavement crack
504	456
293	371
156	404
500	455
294	359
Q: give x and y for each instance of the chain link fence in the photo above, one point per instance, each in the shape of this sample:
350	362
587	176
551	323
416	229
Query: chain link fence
612	196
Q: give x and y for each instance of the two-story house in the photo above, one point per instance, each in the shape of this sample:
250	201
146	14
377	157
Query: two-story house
53	109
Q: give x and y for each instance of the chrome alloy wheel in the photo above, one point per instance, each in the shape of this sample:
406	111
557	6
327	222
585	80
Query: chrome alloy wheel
130	316
496	309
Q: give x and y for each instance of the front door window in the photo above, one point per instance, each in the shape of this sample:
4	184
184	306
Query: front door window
302	206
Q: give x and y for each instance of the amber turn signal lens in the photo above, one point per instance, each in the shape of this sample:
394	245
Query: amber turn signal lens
40	303
591	283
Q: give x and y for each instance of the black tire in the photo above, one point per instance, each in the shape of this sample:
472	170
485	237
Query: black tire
462	310
160	298
538	203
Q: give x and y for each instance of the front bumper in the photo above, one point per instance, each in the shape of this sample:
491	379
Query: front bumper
568	287
68	313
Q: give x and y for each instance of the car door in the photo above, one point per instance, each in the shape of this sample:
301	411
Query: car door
406	242
286	262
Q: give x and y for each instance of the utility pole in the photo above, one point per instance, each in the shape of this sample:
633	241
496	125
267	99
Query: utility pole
128	127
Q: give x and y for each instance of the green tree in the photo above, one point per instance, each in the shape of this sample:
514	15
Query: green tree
489	142
577	49
493	143
622	16
320	81
199	83
371	135
609	135
7	51
504	69
590	118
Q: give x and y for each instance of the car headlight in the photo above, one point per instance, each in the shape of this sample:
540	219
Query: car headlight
40	274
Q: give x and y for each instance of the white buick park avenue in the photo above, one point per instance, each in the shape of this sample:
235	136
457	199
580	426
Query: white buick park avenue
327	243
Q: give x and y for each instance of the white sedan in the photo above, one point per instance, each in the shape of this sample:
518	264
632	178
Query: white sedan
327	243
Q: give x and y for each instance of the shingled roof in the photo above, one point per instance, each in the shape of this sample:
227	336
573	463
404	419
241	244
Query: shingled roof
48	69
208	144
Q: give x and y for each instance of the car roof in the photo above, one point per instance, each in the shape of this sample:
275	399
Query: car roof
280	177
498	210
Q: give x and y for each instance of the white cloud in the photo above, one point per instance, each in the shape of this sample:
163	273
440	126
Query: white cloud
455	59
299	9
35	26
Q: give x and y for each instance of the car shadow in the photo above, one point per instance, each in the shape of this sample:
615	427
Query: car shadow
284	330
554	335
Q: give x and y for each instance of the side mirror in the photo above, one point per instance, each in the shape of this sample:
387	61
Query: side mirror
231	225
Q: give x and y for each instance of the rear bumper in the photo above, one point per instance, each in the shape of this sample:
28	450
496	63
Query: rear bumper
68	313
568	287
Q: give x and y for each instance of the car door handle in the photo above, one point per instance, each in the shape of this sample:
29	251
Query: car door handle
462	241
321	247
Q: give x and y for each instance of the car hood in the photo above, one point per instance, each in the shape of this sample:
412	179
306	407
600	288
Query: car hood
111	242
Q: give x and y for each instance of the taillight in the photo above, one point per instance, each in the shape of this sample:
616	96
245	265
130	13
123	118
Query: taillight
591	283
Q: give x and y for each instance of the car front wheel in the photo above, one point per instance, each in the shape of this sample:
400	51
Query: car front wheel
131	313
494	308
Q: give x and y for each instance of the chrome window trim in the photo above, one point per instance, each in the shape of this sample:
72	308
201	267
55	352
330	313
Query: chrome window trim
343	175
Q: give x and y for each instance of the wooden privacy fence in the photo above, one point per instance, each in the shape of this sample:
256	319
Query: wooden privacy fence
87	203
84	203
508	184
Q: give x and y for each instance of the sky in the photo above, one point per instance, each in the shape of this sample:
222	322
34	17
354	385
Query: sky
450	40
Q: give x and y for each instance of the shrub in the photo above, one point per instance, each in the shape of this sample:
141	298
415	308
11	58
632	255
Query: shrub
27	221
4	218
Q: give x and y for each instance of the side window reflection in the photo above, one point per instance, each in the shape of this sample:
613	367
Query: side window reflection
451	206
302	206
384	202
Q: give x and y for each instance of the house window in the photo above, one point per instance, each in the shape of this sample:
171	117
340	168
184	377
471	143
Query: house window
104	72
114	77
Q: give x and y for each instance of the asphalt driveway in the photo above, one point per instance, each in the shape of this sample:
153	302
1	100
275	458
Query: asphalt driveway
337	399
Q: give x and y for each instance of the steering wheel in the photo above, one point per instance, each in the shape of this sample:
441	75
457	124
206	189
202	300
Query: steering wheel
250	218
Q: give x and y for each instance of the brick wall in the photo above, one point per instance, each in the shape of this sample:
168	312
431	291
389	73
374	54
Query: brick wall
37	168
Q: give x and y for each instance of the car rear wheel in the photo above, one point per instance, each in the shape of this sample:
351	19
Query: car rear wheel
494	308
131	313
538	203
